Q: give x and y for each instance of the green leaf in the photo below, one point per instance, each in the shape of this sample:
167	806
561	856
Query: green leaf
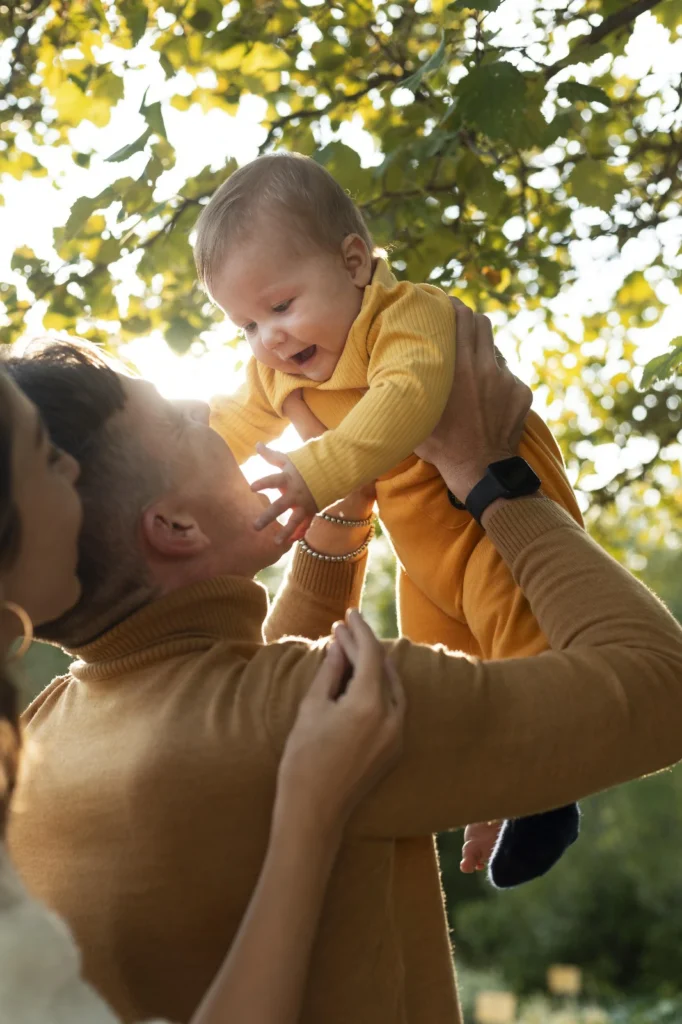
344	163
154	118
432	64
180	334
83	209
662	367
133	147
593	184
669	14
109	87
578	92
479	184
202	20
136	15
166	65
492	98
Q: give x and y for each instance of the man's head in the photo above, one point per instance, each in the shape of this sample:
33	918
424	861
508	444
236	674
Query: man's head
165	503
286	254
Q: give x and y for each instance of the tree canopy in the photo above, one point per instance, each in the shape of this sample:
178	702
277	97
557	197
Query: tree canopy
508	142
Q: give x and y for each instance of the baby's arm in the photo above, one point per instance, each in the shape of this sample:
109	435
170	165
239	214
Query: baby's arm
409	377
246	418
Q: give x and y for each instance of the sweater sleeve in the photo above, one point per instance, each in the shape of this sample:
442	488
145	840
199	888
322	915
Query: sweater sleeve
409	376
313	595
246	417
496	611
504	739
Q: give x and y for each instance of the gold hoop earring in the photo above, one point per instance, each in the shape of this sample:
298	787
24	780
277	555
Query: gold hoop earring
26	625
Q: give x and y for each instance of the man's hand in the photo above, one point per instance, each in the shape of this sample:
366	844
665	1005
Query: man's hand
295	495
483	419
479	843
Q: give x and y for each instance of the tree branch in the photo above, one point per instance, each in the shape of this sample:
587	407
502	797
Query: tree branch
619	19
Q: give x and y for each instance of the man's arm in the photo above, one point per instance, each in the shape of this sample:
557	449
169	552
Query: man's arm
503	739
496	611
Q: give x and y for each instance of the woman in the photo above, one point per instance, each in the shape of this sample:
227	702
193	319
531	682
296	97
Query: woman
339	746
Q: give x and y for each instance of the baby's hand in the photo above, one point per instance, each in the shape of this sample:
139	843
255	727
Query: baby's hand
295	495
479	843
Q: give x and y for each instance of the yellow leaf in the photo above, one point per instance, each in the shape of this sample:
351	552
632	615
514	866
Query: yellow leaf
230	59
263	58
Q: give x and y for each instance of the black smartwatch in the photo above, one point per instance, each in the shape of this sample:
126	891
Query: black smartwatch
508	478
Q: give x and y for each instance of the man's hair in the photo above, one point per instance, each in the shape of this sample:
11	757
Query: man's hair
78	395
295	191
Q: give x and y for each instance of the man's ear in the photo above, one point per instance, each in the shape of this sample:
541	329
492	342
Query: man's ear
358	260
172	532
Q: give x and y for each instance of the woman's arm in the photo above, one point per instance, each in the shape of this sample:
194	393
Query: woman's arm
341	743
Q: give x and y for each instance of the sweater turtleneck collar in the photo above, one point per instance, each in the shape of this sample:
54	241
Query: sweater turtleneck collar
224	608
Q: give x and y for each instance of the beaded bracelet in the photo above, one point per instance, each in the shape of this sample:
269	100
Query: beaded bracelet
307	550
337	521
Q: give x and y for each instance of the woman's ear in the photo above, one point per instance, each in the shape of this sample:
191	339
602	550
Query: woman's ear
172	532
358	260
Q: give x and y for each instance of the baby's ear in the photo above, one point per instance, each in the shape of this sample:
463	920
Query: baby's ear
358	260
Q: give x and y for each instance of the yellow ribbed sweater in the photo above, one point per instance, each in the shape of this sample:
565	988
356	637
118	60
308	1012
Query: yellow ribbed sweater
144	803
392	380
453	587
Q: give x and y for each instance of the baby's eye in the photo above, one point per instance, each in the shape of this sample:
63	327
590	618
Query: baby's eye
249	328
282	307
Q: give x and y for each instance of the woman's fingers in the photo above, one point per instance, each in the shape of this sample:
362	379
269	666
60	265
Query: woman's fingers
328	677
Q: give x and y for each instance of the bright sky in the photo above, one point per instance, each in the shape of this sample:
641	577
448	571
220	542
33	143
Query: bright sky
33	207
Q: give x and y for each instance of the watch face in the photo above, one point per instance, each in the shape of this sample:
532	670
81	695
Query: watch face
515	476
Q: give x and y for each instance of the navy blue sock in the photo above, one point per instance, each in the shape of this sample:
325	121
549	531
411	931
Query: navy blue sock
528	847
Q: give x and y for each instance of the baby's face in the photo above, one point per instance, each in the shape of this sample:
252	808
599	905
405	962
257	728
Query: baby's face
295	311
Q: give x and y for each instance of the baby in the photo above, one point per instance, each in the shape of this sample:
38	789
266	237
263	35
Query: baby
284	251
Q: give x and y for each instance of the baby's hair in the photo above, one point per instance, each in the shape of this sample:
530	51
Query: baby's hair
293	188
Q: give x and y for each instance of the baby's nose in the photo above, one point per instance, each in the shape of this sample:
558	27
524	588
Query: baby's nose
272	337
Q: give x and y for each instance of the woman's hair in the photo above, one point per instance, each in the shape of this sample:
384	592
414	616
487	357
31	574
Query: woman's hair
9	547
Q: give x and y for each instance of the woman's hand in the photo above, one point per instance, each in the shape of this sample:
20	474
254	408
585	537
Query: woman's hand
348	732
484	416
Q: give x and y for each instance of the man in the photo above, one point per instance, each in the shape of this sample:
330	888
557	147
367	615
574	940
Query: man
144	818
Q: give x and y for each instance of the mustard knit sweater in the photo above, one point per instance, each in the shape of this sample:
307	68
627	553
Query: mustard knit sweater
143	809
400	352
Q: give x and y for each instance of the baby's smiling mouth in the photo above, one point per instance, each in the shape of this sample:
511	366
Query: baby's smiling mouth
305	356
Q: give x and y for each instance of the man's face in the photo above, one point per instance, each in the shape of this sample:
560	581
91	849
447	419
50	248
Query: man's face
202	472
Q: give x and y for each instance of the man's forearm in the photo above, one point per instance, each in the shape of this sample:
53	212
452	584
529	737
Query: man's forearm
527	734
